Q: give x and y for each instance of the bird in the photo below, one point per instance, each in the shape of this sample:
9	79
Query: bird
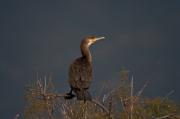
80	71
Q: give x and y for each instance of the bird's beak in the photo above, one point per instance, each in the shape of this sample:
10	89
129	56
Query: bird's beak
100	38
95	39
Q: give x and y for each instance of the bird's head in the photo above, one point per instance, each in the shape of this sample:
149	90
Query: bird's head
91	40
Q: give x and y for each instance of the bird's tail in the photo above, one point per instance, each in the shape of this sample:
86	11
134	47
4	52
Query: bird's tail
83	95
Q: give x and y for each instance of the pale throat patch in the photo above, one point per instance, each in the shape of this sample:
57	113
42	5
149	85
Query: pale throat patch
91	42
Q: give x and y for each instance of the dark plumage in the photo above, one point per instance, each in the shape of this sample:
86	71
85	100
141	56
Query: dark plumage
80	71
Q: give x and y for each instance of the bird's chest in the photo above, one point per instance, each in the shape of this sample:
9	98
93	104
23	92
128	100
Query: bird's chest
81	70
85	70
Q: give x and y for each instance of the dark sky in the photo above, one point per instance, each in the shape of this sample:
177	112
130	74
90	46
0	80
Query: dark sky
44	36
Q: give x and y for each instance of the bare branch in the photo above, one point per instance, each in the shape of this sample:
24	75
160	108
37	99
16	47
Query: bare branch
142	89
100	105
132	104
166	116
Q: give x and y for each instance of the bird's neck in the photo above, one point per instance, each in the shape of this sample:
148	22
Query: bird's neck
86	53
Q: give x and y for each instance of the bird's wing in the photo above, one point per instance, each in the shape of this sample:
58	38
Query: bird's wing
80	74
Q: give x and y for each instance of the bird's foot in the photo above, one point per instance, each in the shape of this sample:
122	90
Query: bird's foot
69	96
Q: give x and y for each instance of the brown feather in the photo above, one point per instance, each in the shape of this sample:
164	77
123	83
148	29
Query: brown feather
80	72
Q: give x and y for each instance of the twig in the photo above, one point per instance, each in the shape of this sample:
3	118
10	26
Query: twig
167	95
101	90
100	105
132	84
166	116
50	115
122	103
44	84
110	107
142	89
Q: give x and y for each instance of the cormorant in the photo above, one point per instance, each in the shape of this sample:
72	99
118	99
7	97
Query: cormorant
80	71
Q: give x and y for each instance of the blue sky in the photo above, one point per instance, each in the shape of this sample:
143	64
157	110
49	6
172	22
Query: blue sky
44	36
